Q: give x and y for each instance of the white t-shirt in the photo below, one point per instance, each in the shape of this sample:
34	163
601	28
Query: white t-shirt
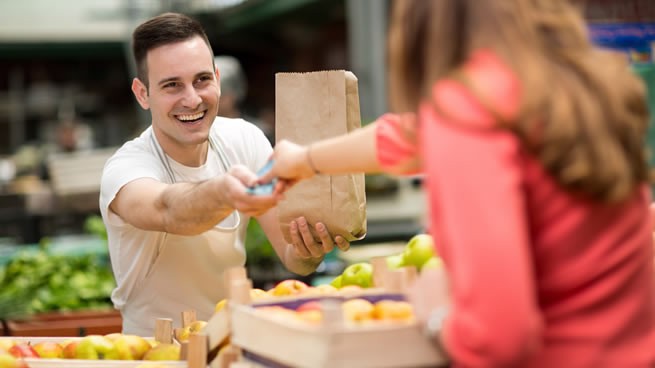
133	251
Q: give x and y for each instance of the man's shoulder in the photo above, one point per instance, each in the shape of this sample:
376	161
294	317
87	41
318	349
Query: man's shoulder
137	145
135	152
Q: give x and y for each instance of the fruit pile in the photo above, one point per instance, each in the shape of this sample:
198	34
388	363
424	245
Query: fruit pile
115	346
419	252
355	311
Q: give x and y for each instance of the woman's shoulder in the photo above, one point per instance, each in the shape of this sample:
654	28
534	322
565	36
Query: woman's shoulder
483	92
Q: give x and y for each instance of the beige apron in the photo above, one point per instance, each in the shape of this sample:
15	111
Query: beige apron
187	273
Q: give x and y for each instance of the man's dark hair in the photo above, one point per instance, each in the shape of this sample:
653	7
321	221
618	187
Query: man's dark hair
161	30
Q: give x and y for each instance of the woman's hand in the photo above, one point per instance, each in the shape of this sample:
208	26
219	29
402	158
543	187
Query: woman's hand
291	163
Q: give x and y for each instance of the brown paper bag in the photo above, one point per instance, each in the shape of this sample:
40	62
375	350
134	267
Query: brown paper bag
310	107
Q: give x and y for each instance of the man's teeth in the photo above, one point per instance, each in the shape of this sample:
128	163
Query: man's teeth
191	117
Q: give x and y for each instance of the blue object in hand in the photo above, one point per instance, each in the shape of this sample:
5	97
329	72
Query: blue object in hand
265	188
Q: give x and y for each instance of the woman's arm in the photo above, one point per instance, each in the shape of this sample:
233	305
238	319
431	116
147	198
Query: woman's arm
387	145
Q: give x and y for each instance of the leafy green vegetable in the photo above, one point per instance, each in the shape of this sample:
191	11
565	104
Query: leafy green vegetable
54	282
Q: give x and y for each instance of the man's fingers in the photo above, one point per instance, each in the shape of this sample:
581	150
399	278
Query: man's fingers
298	243
245	176
308	238
342	243
326	240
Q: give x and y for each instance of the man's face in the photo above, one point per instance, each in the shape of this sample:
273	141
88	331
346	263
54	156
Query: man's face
183	92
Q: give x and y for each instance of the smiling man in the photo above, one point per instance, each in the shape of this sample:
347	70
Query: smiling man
174	199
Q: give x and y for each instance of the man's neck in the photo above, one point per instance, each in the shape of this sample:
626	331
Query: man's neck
187	155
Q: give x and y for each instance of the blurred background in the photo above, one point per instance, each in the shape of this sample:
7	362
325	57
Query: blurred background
66	105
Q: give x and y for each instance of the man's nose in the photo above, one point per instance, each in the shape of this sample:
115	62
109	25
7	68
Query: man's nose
191	97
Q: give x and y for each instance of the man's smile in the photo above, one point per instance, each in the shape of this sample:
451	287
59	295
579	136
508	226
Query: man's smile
191	118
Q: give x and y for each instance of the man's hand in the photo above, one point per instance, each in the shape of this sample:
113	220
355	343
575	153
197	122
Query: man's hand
235	183
304	244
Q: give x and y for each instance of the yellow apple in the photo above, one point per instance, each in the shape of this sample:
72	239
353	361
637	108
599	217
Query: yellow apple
256	294
220	305
96	347
49	350
393	310
163	352
288	287
192	328
357	310
9	361
131	347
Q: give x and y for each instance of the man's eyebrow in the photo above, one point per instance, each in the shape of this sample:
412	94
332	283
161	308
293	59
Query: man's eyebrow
166	80
174	79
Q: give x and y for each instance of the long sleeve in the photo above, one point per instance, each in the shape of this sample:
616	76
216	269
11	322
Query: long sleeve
475	183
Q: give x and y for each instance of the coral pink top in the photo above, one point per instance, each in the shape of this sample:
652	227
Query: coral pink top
539	278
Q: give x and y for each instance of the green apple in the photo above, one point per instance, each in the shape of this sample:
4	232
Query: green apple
131	347
96	347
395	261
418	250
359	274
337	281
432	263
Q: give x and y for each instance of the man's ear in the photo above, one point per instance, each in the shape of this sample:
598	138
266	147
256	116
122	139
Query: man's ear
141	93
218	79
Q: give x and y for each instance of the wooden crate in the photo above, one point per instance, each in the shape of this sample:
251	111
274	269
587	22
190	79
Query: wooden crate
79	363
67	324
296	344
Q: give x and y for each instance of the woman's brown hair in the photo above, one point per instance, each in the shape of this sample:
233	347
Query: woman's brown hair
583	113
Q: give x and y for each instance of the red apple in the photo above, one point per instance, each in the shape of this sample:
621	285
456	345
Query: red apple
23	351
70	349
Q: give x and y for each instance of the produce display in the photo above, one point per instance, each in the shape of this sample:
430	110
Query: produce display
419	253
93	351
114	346
355	311
352	309
37	281
46	282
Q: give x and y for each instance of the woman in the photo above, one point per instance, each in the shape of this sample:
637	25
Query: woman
531	145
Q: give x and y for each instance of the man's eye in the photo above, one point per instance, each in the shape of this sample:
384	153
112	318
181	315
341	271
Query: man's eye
171	85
